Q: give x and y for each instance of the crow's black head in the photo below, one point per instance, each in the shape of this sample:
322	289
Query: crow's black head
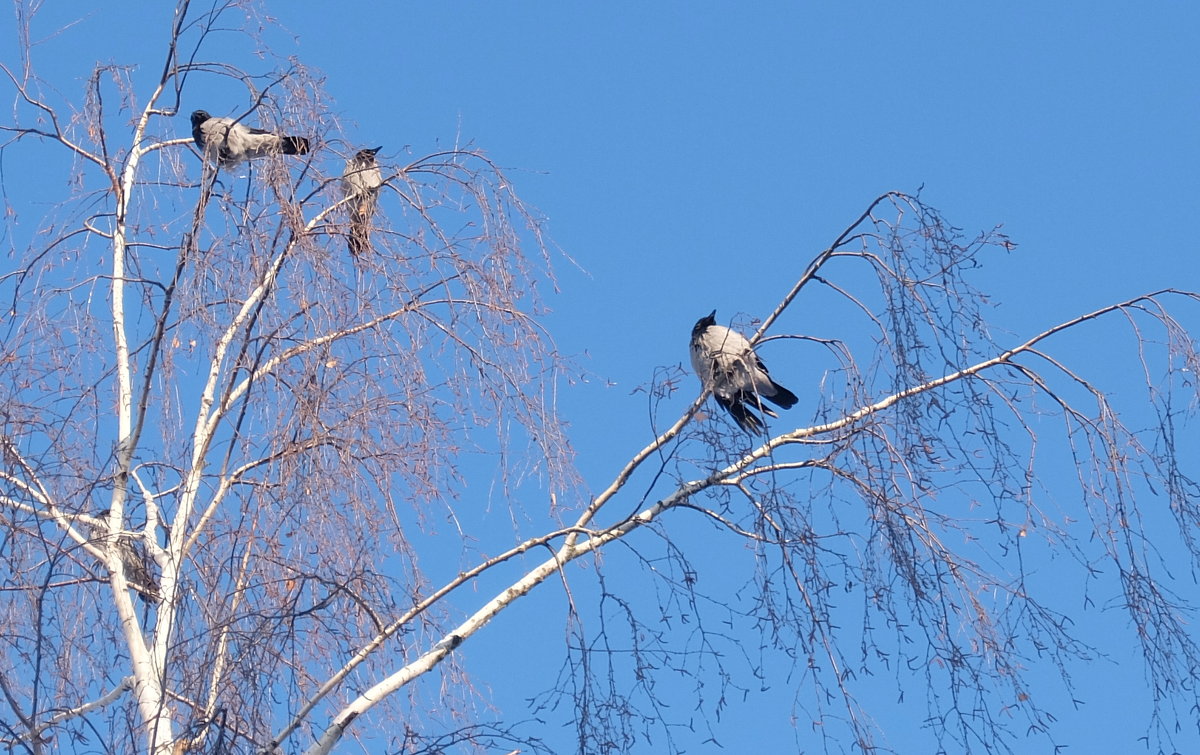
199	116
704	323
366	157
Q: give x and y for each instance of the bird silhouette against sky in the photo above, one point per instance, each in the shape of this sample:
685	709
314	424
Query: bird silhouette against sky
229	143
739	380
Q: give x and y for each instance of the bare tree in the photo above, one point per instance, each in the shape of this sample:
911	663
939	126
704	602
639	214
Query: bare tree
190	350
195	369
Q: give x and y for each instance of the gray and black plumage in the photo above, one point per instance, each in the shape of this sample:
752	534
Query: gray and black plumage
361	181
725	362
134	558
228	143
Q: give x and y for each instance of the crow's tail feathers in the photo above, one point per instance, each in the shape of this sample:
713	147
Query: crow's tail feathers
782	397
359	241
143	581
740	405
360	227
746	419
149	593
294	145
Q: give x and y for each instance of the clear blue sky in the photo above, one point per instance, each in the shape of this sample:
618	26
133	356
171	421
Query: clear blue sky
695	155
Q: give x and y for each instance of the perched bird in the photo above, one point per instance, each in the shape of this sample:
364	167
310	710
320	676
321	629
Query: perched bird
134	558
228	142
361	180
724	361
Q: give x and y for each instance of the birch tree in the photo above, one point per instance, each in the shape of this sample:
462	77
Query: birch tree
204	391
191	352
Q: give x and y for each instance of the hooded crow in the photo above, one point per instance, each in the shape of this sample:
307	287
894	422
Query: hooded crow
724	361
227	142
361	181
134	558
